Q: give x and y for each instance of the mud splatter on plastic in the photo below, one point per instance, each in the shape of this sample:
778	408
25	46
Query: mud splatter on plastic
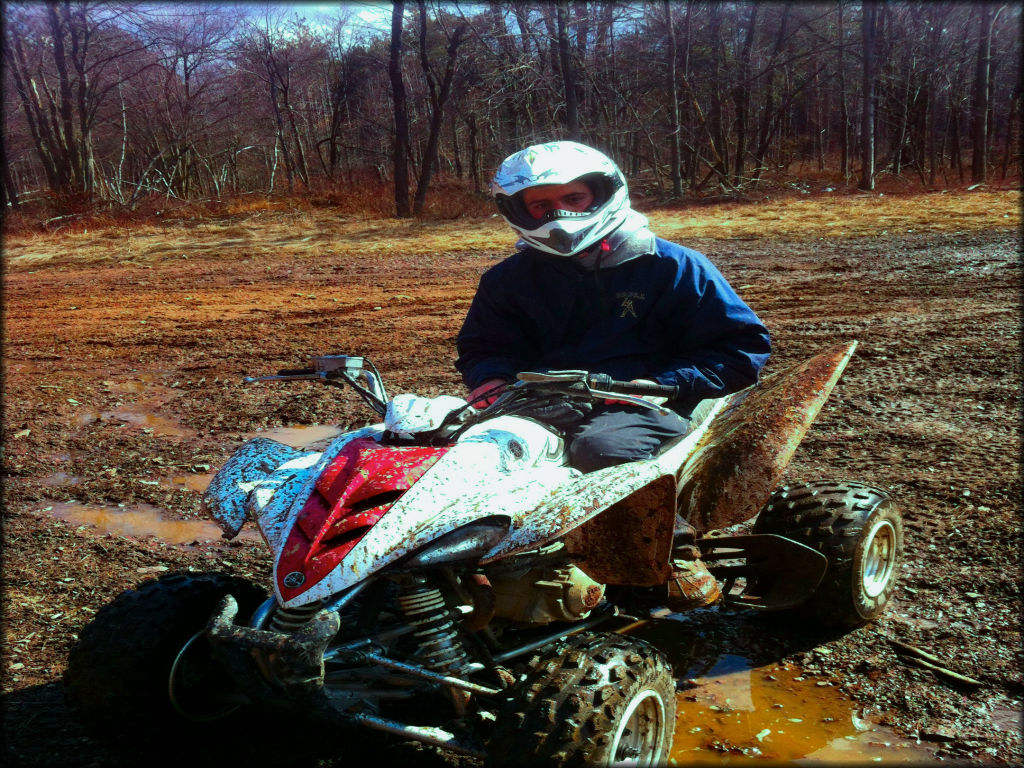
742	456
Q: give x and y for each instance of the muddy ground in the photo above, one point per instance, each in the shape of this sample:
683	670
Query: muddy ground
120	380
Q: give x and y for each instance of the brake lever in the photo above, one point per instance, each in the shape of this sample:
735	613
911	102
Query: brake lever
633	400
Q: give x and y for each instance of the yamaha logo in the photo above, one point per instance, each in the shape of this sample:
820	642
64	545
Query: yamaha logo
294	579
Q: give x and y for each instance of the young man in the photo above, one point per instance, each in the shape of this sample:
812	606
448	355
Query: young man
592	288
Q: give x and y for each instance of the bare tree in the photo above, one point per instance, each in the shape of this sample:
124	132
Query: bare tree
673	87
206	100
568	69
65	59
869	23
980	108
438	99
400	157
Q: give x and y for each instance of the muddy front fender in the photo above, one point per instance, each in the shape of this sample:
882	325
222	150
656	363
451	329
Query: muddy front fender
616	522
739	460
270	482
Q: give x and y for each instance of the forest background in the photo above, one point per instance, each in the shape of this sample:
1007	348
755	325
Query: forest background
142	110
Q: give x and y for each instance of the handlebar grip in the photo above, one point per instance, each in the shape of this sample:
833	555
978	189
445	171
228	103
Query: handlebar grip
605	383
295	372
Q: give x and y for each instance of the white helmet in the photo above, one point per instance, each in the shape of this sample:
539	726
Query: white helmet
562	233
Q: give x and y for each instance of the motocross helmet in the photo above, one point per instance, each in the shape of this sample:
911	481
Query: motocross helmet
562	233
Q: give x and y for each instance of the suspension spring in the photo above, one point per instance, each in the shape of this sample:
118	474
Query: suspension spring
290	620
433	625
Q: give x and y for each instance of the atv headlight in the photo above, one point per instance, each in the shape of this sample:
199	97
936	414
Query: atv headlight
470	542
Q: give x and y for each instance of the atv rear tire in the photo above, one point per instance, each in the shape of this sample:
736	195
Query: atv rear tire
118	674
592	699
859	530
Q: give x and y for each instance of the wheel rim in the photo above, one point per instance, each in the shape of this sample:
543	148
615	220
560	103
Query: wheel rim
638	738
879	559
175	695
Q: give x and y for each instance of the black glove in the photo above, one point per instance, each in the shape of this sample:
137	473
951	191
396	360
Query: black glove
558	412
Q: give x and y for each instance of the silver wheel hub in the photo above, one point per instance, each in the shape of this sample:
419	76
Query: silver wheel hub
879	559
638	738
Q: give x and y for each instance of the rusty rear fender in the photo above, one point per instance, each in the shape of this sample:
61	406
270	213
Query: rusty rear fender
739	460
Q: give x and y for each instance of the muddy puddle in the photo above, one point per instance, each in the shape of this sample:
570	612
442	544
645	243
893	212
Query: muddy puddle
144	520
152	398
141	521
734	712
729	711
143	413
312	437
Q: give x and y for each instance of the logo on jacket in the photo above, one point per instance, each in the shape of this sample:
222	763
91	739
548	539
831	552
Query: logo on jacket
628	301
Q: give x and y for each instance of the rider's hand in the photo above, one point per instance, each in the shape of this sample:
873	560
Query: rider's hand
653	399
474	397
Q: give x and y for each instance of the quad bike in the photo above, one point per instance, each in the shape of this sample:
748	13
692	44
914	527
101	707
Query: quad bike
446	577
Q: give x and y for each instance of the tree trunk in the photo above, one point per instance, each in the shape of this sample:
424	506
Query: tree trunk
867	118
719	149
676	170
474	153
1012	120
279	122
979	129
438	99
844	110
572	118
741	97
400	148
10	188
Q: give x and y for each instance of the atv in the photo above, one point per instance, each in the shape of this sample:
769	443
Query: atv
446	577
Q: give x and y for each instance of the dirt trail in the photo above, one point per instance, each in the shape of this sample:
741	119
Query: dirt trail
118	380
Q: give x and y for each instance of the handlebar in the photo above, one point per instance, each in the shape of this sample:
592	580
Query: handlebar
362	376
608	384
600	384
289	374
339	371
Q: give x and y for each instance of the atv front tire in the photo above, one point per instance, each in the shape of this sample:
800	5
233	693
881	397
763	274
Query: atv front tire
859	530
592	699
118	676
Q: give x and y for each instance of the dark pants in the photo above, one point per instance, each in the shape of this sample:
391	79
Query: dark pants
615	434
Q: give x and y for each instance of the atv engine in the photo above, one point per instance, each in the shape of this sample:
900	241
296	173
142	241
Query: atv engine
544	594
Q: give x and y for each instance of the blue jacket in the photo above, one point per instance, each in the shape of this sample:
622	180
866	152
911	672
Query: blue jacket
668	316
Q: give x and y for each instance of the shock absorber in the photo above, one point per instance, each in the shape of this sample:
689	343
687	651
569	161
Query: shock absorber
433	625
291	620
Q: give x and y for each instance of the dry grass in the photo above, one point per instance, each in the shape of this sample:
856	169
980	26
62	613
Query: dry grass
863	215
255	229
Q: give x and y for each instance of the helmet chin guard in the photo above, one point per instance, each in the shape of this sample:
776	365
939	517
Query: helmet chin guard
562	233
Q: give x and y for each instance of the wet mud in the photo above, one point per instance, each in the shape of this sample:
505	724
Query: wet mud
113	426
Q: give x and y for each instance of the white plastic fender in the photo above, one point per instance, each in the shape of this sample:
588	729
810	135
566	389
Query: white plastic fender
409	414
593	493
275	514
572	505
505	466
257	462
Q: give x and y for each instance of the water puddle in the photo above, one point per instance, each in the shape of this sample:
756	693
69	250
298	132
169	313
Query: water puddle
61	479
143	413
311	437
729	711
733	712
138	415
192	482
140	521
